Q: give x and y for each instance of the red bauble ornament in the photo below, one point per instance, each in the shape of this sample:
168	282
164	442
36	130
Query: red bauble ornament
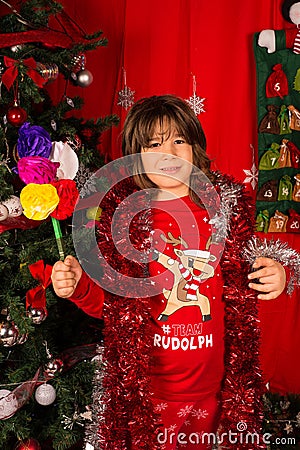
28	444
16	115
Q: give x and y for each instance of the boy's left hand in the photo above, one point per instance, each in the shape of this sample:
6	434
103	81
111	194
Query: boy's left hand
271	276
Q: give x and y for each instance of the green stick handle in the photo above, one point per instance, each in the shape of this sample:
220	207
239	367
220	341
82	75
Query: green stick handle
58	236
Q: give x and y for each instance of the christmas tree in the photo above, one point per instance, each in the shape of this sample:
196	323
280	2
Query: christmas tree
47	345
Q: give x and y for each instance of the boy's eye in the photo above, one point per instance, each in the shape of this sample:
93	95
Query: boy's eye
154	145
179	141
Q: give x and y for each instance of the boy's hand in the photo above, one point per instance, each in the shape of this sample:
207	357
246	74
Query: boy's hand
271	276
65	276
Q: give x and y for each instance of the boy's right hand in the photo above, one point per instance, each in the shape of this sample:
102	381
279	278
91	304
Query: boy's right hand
65	276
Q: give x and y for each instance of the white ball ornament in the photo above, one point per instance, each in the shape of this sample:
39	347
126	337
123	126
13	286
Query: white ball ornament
13	204
45	394
3	212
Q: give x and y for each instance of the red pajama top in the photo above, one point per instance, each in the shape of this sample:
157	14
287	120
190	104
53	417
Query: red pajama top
188	316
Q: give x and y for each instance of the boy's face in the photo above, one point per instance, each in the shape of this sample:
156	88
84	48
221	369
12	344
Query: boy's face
295	13
167	162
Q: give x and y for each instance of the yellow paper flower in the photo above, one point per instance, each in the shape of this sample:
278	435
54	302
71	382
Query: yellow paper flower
38	200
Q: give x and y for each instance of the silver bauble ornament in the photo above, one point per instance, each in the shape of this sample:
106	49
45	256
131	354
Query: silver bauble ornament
84	78
8	333
8	404
37	315
53	367
45	394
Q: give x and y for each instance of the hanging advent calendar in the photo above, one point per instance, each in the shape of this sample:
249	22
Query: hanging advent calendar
278	112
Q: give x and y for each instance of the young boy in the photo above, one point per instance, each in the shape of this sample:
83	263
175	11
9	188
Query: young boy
180	362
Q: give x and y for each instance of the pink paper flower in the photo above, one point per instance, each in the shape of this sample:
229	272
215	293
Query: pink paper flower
37	169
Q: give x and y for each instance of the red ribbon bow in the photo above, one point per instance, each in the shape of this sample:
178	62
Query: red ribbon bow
12	71
36	297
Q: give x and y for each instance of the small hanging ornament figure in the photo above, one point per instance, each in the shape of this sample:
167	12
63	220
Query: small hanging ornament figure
195	102
126	95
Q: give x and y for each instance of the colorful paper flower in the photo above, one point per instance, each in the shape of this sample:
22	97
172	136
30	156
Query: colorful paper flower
37	169
33	141
68	195
38	200
67	158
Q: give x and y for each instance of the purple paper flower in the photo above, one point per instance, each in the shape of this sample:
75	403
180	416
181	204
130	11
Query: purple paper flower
33	141
36	169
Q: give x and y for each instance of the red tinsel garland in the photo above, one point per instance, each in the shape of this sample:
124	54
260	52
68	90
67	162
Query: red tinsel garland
129	421
243	387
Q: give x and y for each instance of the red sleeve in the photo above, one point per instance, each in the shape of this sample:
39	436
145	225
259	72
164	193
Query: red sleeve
88	296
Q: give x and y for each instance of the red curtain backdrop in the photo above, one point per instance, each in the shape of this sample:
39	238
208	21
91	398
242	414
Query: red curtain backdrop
161	44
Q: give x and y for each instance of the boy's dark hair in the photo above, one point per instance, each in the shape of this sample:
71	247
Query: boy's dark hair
142	121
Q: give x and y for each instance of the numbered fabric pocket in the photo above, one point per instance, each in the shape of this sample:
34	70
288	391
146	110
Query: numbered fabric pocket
262	221
294	118
283	120
285	190
277	83
296	190
270	158
278	223
294	154
268	192
293	224
285	157
269	123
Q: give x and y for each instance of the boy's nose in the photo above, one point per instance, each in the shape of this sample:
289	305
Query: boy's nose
169	149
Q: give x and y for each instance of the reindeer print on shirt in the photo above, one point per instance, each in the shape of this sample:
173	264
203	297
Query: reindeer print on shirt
189	270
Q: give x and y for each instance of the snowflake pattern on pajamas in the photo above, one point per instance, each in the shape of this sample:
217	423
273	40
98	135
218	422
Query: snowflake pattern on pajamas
183	412
172	428
160	407
199	413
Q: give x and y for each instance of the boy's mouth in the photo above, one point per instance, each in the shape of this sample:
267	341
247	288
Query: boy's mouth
172	169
